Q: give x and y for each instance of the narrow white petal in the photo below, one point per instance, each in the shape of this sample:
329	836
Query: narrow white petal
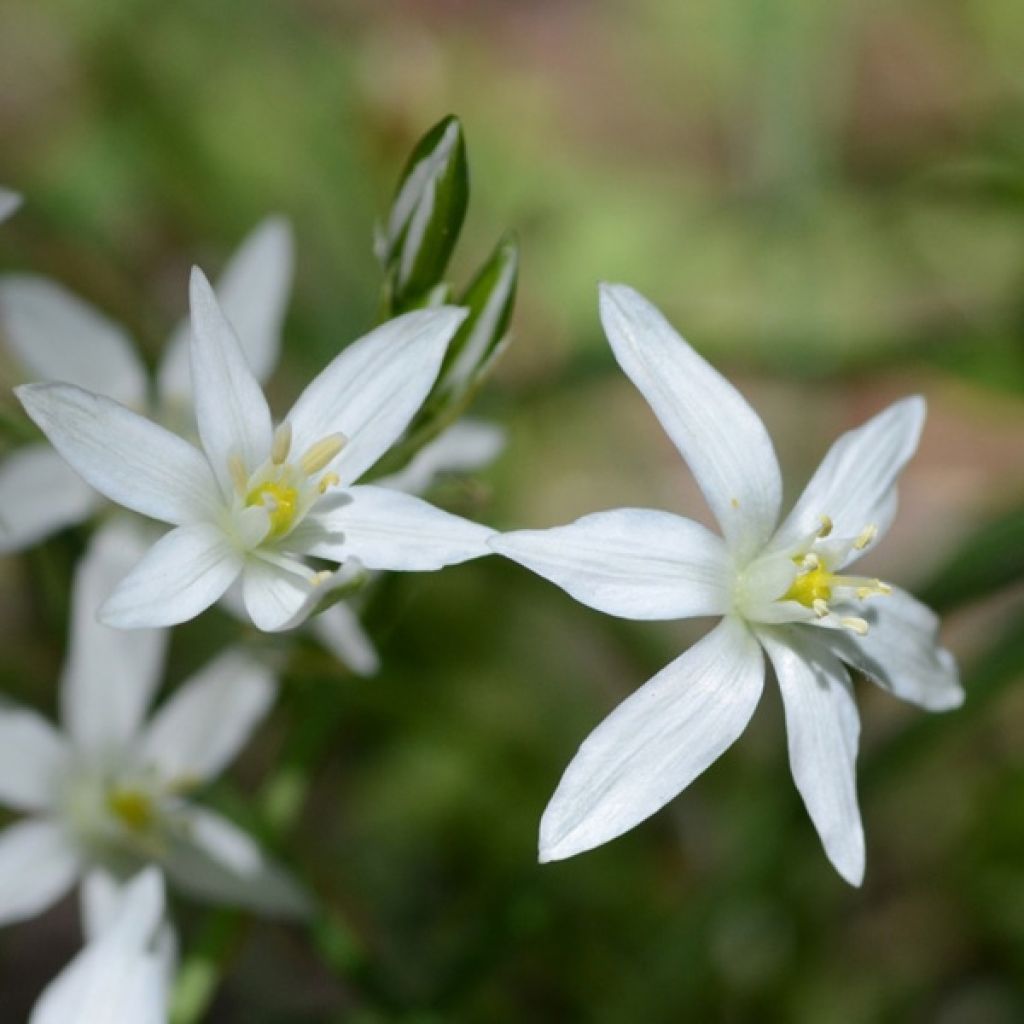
9	202
822	728
340	631
387	529
106	984
373	389
213	860
276	593
720	436
231	411
131	460
656	742
120	977
464	447
253	292
38	865
855	484
901	651
58	337
180	576
208	720
99	898
632	562
39	495
111	674
33	761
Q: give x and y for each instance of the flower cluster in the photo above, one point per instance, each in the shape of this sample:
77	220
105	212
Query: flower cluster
281	519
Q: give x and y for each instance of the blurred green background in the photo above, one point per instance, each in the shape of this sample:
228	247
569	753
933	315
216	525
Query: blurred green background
828	199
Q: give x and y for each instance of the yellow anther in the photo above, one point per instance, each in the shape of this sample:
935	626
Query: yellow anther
858	626
876	588
820	607
735	502
132	808
826	526
810	561
865	537
317	456
327	481
280	501
282	443
239	475
321	577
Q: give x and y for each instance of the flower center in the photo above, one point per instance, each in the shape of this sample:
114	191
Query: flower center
280	501
132	808
287	489
816	586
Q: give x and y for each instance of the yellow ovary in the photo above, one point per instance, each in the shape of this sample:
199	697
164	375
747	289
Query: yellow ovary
280	501
812	586
132	808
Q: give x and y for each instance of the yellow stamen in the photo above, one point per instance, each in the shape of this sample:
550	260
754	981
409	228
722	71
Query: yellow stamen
321	577
826	526
318	456
280	501
859	626
132	808
239	476
327	481
865	537
282	443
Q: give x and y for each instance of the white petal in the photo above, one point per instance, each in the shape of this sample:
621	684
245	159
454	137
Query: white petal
33	760
373	389
38	865
854	485
39	495
632	562
464	447
111	674
118	978
656	742
208	720
822	728
9	202
340	631
901	651
386	529
106	984
720	436
131	460
253	293
276	594
58	337
99	898
180	576
232	413
214	860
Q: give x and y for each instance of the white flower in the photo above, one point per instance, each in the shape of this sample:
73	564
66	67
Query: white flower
111	792
58	337
256	501
9	202
779	588
123	974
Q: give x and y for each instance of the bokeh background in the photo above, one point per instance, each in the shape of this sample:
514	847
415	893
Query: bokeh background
828	199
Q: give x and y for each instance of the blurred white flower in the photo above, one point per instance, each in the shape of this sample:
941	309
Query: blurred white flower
111	792
780	588
9	202
123	974
256	501
58	337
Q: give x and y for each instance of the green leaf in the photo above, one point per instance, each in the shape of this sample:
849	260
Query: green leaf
426	215
490	299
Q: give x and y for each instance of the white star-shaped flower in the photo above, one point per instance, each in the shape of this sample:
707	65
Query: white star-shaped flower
111	793
779	588
256	501
123	974
55	336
